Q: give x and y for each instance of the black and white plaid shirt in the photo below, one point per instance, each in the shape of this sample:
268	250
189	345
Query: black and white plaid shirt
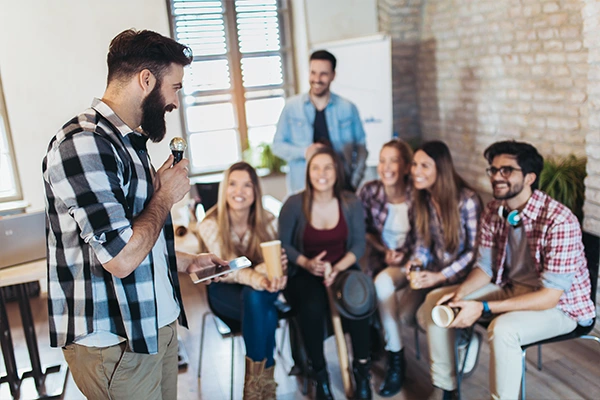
98	178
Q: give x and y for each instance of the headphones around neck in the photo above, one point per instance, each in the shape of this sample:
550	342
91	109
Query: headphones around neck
513	217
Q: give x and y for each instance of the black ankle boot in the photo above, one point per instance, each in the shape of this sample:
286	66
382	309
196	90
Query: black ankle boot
362	377
323	389
394	376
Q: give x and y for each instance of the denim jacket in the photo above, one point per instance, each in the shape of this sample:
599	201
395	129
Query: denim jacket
295	133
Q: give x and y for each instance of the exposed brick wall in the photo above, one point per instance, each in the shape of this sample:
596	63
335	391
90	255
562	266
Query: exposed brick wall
496	69
401	19
591	16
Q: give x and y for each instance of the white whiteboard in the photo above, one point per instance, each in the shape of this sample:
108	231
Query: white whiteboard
363	75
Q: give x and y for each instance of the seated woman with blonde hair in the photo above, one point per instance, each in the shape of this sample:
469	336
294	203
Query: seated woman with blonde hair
235	227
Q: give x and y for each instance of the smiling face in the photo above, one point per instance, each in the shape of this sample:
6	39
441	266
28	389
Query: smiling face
240	191
506	188
423	170
322	173
321	76
392	168
162	99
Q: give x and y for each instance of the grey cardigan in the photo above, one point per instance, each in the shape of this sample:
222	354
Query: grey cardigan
292	223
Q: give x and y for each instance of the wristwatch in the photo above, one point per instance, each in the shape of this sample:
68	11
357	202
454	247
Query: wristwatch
486	310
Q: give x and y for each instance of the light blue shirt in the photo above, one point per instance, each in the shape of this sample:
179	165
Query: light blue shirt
295	133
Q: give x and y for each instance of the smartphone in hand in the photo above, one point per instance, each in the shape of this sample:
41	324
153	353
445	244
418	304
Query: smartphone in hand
218	270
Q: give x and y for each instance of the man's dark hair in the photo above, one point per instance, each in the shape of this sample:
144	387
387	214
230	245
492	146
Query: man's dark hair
527	156
324	55
132	51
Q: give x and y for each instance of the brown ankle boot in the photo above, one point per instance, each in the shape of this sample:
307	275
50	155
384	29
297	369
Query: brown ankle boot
269	386
253	379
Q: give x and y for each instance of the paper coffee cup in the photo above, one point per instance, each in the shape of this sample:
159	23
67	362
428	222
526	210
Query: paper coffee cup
272	255
442	315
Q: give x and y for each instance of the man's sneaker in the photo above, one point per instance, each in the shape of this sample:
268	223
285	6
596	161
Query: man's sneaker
472	354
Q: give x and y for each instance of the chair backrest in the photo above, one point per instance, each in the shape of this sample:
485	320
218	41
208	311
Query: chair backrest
206	194
591	245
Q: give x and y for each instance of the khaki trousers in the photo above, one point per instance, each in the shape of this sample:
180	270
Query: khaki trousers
116	372
506	334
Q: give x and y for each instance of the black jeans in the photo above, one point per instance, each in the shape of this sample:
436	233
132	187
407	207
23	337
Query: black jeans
308	297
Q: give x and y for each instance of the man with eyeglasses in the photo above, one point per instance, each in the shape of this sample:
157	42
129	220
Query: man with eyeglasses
531	278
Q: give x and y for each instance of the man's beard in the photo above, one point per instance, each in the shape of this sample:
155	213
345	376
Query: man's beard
153	114
511	193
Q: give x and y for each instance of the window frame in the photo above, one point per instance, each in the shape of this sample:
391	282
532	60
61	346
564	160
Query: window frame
11	150
234	58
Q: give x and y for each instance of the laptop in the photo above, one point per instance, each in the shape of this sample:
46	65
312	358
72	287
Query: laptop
22	238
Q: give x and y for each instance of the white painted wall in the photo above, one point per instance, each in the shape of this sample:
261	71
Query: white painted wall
319	21
53	62
330	20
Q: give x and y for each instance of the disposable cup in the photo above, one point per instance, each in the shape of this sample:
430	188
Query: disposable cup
443	315
272	255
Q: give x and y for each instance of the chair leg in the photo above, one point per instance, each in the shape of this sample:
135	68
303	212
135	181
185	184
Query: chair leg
284	329
206	314
417	346
590	337
232	362
539	365
523	372
460	369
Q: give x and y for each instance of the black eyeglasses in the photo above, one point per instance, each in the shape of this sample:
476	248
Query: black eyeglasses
505	171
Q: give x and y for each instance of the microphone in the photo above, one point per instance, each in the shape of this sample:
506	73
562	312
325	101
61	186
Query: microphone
177	146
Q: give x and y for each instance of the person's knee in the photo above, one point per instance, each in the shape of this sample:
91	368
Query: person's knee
424	311
502	332
256	300
384	286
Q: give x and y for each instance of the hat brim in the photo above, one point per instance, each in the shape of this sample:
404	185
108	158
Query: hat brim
354	295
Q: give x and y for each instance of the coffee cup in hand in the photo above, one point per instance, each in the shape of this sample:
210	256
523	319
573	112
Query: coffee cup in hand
443	315
272	255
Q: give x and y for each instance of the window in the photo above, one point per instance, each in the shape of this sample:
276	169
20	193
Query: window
242	71
9	179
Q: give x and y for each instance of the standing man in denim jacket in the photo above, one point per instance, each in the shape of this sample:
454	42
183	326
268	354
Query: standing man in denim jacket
320	118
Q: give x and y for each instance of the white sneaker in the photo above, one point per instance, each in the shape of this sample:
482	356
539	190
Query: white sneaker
472	354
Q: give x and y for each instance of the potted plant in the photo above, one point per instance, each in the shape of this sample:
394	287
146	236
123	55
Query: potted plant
262	156
562	179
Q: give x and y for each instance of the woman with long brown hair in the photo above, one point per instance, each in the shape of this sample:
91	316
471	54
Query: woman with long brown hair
446	215
323	228
236	226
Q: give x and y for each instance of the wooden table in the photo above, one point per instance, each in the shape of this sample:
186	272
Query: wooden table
50	382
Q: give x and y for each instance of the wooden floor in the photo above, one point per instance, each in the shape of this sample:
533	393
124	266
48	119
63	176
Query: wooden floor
571	369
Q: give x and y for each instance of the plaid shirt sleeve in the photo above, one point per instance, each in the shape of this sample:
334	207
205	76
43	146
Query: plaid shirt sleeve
563	246
87	175
469	217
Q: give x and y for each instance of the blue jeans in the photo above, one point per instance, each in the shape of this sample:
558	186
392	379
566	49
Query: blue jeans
235	303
